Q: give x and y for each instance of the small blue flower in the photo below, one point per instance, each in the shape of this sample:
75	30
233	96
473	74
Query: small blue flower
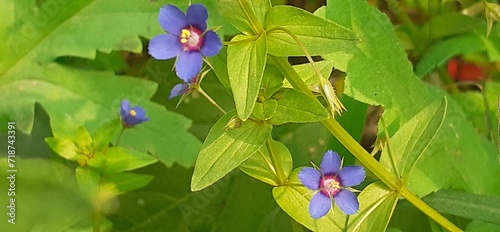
188	39
182	88
132	116
331	182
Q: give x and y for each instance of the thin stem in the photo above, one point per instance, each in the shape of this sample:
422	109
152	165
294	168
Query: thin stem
391	157
200	90
275	159
362	155
119	136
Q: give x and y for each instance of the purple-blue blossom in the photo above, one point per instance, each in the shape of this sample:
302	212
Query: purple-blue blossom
332	182
132	116
188	39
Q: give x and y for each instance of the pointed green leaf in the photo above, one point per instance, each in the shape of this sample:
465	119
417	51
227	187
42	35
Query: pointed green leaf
260	167
119	159
468	205
377	204
118	183
410	142
66	148
246	62
444	50
318	35
224	150
297	107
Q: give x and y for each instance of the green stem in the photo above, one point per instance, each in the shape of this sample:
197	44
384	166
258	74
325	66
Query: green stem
119	136
200	90
362	155
252	18
275	159
388	146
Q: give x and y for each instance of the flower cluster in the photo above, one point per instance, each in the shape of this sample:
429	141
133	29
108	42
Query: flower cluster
188	39
132	116
332	181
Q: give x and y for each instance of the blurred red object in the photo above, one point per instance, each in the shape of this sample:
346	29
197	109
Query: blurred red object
461	70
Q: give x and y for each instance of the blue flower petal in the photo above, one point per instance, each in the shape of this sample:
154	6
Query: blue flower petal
347	201
172	19
165	46
189	65
211	44
125	108
351	175
320	205
140	114
331	163
197	16
178	89
310	177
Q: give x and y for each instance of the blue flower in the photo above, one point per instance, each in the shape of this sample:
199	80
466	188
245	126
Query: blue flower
188	39
132	116
332	182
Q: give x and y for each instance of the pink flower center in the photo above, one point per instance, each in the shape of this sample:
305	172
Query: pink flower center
330	185
191	39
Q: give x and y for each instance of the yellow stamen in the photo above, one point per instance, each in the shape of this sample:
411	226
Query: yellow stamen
185	34
133	113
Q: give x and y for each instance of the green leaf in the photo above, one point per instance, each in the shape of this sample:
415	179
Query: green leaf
123	182
410	142
260	166
245	14
271	81
449	24
318	35
265	110
444	50
474	206
103	136
297	107
119	159
481	226
218	63
246	62
66	148
224	150
377	204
